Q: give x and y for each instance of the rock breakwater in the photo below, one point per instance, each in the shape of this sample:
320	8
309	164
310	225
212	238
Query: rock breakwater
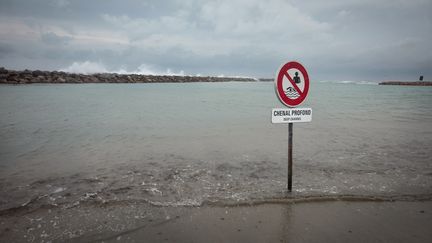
37	76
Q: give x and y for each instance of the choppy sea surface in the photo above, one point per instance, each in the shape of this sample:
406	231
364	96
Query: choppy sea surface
193	143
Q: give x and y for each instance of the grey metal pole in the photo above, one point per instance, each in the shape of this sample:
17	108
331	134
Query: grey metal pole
290	148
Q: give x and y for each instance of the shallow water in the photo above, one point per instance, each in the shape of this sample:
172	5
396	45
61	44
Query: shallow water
190	143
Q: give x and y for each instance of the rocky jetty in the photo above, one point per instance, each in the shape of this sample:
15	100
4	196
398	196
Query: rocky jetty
412	83
266	79
37	76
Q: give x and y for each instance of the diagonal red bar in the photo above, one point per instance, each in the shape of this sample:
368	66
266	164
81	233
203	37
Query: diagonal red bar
294	84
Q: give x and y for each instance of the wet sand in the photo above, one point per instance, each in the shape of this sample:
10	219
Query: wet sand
331	221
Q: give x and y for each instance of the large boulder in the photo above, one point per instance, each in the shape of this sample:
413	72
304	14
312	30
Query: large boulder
37	73
3	70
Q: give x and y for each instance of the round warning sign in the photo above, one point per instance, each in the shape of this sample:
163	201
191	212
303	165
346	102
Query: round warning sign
292	84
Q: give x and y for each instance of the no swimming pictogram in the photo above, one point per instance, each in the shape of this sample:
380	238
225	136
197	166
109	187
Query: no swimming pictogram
292	84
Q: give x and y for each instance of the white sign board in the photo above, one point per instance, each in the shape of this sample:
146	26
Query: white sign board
283	115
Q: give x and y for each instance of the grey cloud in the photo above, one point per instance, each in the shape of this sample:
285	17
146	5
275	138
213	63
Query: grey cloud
54	39
5	49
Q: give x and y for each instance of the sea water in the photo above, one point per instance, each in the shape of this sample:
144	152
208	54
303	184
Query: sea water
192	143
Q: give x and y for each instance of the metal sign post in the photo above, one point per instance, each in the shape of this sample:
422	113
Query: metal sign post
290	152
292	86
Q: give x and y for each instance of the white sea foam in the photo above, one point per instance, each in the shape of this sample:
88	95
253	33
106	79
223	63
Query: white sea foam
89	67
349	82
59	189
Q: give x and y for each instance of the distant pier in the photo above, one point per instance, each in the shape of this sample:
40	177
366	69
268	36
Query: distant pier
410	83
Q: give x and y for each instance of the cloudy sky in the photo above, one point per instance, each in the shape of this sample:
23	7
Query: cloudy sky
335	40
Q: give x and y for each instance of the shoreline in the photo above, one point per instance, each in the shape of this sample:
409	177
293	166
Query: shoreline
47	201
57	77
331	221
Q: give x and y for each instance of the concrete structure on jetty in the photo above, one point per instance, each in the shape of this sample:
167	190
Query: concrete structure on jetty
28	77
411	83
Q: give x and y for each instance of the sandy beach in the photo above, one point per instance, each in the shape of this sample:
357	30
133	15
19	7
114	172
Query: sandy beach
326	221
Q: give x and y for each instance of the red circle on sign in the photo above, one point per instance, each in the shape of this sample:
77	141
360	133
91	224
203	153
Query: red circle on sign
283	72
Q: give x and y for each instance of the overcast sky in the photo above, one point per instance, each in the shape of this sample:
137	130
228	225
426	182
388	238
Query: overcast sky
336	40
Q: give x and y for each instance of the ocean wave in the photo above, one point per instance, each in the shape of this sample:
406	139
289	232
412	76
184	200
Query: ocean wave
350	82
194	185
93	201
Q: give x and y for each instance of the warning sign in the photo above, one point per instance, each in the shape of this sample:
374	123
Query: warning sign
292	84
291	115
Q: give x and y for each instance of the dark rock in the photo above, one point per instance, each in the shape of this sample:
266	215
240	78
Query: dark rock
26	72
37	73
11	79
3	70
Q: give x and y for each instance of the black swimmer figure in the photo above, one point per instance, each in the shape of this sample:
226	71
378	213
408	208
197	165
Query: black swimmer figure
297	78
